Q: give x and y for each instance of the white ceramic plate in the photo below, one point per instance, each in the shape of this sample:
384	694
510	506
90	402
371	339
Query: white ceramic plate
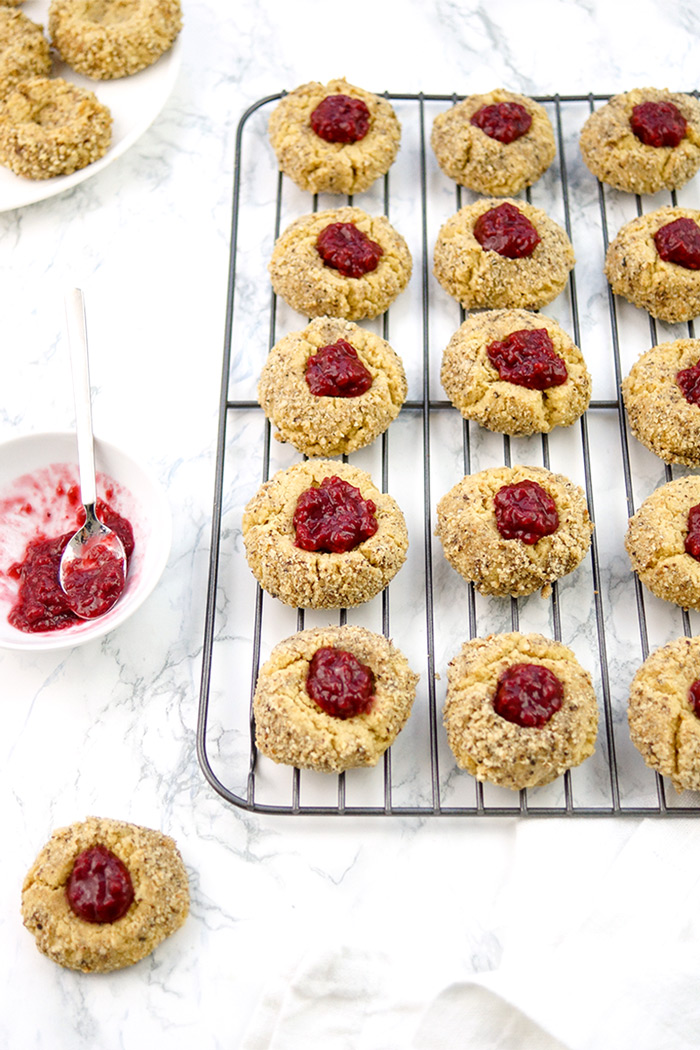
35	472
134	102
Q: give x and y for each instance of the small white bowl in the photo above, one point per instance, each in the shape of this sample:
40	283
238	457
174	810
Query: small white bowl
34	473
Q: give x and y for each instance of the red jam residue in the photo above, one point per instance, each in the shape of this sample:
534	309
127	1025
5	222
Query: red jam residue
524	511
679	242
692	539
94	581
658	124
528	694
336	371
504	229
348	250
688	380
527	358
99	889
505	121
41	605
340	685
339	118
333	517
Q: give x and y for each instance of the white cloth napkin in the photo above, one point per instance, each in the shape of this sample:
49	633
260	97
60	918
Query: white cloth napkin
597	955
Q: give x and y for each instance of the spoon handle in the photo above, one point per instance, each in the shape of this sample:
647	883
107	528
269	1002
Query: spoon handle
80	367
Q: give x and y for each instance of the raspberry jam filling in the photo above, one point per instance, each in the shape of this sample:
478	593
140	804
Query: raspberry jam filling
688	380
527	358
333	517
524	511
528	694
99	888
658	124
340	685
679	242
692	539
336	371
340	118
348	250
41	604
93	582
504	229
694	697
505	121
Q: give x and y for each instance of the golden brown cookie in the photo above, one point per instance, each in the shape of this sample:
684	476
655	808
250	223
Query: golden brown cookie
323	578
476	159
24	50
660	416
331	424
474	385
617	156
49	126
663	712
635	269
484	279
467	526
113	38
493	747
160	896
323	166
658	539
300	275
348	731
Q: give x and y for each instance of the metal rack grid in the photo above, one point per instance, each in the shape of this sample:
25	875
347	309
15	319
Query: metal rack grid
601	610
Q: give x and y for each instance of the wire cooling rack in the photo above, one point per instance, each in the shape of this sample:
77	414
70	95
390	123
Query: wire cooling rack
600	610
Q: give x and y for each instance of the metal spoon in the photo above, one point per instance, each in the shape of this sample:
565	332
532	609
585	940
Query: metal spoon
92	572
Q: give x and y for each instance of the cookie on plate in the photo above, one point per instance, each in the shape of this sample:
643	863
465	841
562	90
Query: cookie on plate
520	710
50	126
644	140
24	50
663	542
664	712
113	38
514	530
321	535
515	372
497	143
332	698
102	894
331	388
654	262
335	137
662	398
341	262
498	254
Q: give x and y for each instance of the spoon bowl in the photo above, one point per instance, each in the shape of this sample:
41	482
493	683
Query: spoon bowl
92	572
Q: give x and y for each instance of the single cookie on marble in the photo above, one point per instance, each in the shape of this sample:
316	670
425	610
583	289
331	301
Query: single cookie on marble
331	388
500	254
105	41
341	262
514	530
50	126
102	894
321	535
515	372
664	712
662	398
24	50
497	143
332	698
335	137
663	542
520	710
654	262
644	140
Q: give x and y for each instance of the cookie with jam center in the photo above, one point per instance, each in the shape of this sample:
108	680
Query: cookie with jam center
657	542
661	417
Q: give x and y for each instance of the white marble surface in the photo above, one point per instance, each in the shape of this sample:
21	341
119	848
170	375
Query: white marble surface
109	728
